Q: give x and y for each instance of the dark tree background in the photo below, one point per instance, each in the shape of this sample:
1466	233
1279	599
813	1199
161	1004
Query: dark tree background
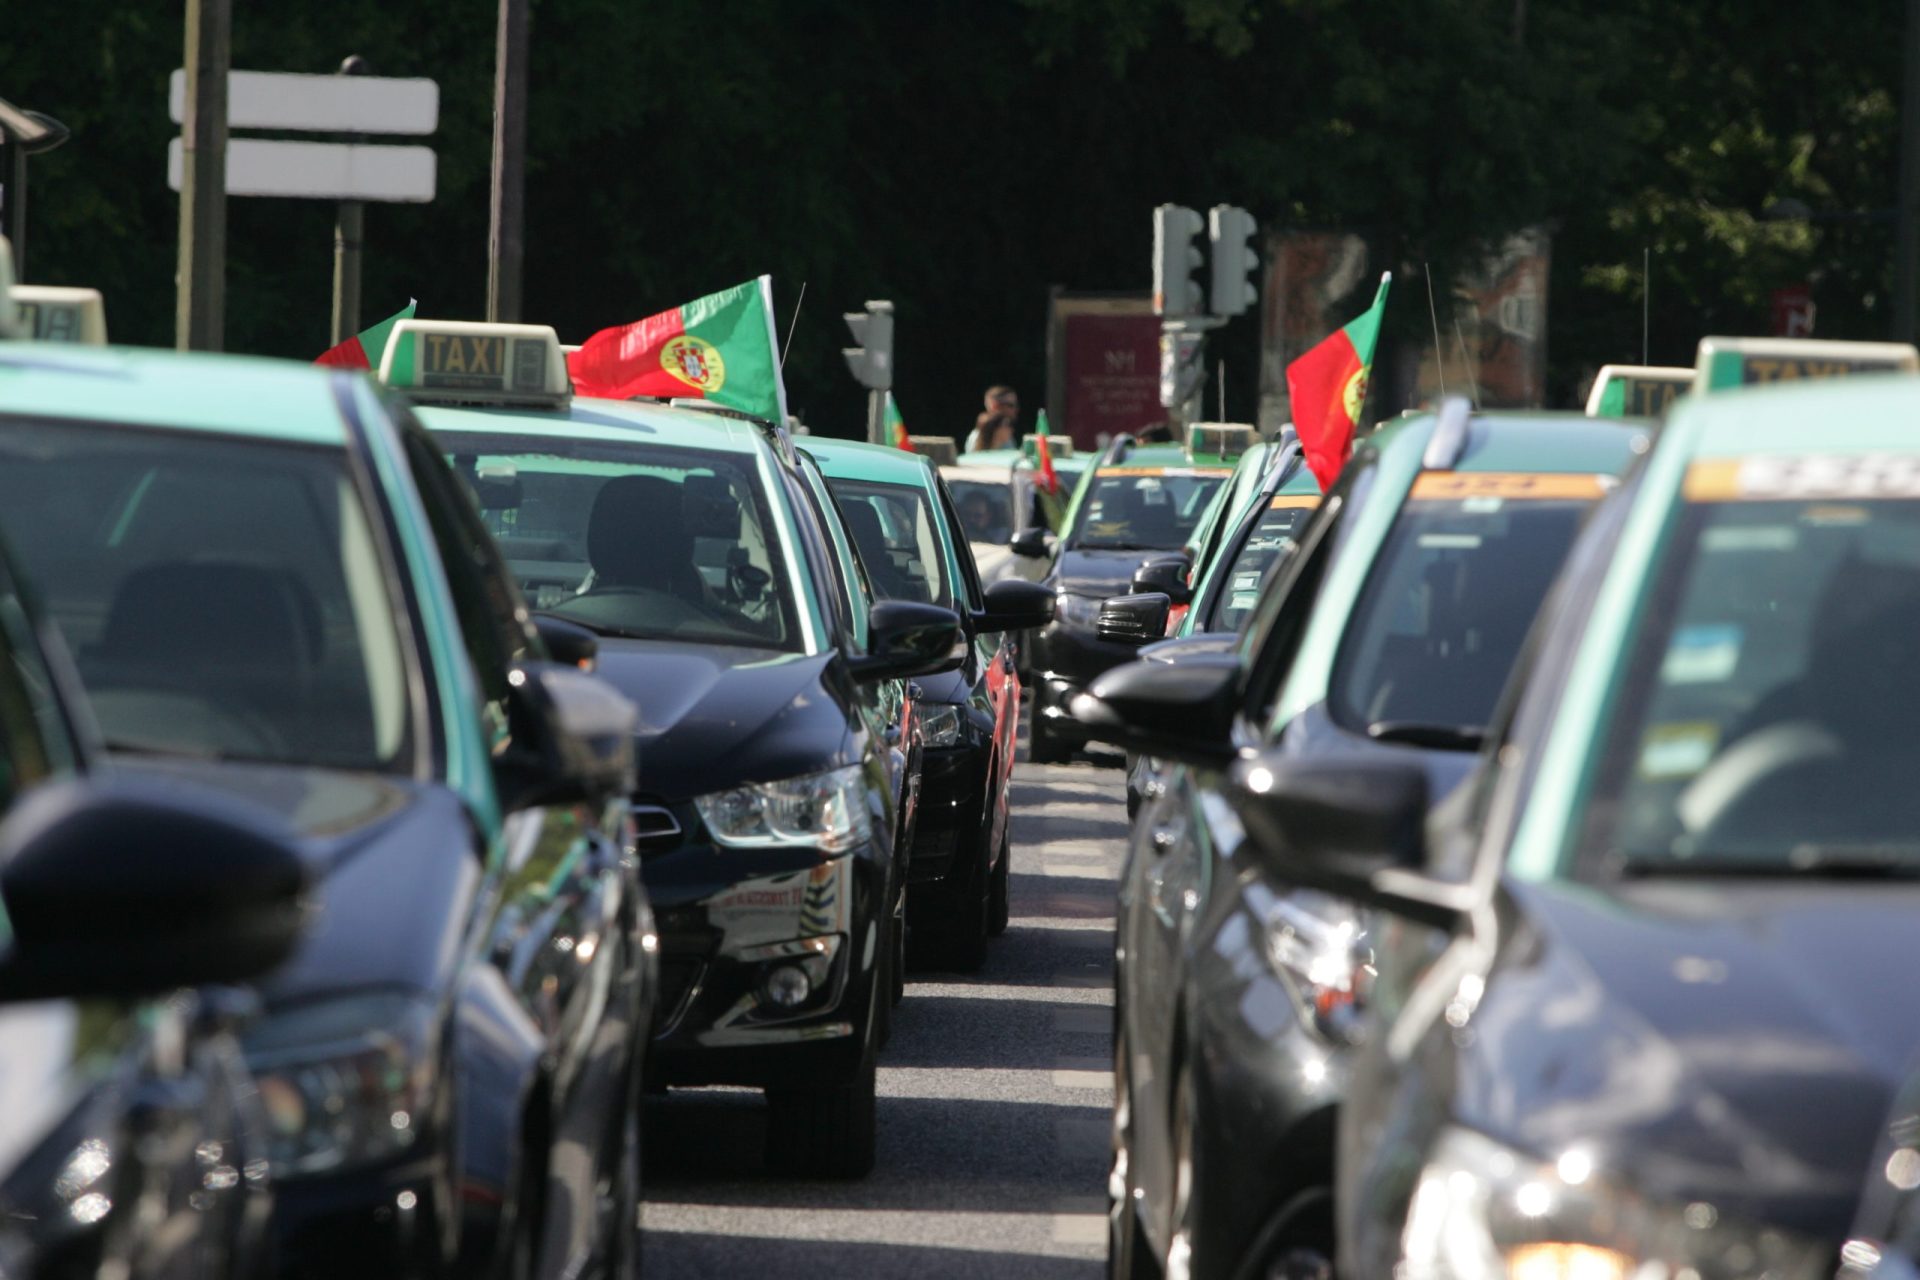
961	156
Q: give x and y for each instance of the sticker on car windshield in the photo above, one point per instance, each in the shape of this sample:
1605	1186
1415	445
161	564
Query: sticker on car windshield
1813	475
1457	486
1678	750
1703	654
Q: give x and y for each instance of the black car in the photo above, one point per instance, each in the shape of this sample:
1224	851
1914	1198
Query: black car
768	810
1387	635
285	596
1139	499
898	510
131	1139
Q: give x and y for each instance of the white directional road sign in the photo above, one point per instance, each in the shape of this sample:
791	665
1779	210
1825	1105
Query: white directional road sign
321	104
321	170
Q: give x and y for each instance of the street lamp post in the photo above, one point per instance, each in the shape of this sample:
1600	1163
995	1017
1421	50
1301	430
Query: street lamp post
25	133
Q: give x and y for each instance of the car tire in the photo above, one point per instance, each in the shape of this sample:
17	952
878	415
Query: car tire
897	988
1129	1256
824	1132
623	1244
1042	746
999	890
884	967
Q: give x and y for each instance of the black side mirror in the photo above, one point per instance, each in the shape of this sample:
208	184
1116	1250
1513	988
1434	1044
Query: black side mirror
1031	543
131	887
572	739
1014	604
567	643
1140	619
1354	826
1167	576
1175	710
906	638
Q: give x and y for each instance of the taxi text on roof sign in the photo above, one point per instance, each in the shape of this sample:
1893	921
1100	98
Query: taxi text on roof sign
51	313
1738	362
1636	390
461	362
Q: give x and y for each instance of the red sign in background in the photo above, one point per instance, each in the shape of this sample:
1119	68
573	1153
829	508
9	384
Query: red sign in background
1112	376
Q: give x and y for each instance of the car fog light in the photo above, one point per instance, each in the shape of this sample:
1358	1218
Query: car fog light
788	986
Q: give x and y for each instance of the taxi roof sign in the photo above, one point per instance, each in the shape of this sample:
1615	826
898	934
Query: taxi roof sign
1222	440
465	362
57	313
938	448
1636	390
1058	447
1738	362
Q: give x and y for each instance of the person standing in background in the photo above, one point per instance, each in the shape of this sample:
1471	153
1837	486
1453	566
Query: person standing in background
1001	402
991	431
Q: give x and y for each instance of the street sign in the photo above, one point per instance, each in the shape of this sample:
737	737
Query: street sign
321	170
321	104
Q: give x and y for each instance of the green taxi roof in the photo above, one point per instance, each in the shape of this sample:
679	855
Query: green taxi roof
191	391
1861	414
859	460
584	418
1007	458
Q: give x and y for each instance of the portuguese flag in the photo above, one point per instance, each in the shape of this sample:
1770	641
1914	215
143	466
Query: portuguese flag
1042	436
364	349
897	426
1328	386
719	348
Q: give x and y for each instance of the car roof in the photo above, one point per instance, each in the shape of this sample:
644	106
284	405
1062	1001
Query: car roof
1528	440
282	400
586	418
1858	414
1157	457
859	460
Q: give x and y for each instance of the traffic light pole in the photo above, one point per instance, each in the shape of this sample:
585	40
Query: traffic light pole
877	418
507	215
200	306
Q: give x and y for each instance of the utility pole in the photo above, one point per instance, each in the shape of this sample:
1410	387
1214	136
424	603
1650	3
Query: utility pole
349	235
1906	239
200	315
507	222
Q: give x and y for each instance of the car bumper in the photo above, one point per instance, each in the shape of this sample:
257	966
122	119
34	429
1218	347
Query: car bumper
391	1219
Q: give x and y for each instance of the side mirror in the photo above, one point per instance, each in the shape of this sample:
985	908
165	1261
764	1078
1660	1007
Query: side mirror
1139	619
568	643
130	887
1353	826
1014	604
1031	543
906	638
572	739
1167	576
1175	710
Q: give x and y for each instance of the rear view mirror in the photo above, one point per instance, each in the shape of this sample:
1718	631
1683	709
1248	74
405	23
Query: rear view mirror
906	638
1167	576
1030	543
132	887
708	507
571	739
1014	604
1138	619
1180	710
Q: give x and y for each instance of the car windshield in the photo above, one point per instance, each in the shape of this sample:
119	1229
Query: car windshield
892	525
634	540
223	597
986	509
1768	719
1144	508
1448	601
1274	535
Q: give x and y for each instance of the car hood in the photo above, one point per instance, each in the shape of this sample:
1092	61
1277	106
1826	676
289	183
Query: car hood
395	864
1099	574
715	716
1200	644
1732	1042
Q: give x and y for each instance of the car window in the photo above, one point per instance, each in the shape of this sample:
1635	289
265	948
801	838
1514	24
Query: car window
1450	596
985	507
633	539
970	588
892	524
1767	714
224	597
1143	508
1271	537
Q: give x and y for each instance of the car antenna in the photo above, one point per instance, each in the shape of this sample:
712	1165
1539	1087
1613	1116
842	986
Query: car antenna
792	325
1433	313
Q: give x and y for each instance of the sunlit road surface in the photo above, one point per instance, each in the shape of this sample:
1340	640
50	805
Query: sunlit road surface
995	1096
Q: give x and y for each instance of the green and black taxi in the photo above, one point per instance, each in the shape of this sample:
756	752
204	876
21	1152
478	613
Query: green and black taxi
769	800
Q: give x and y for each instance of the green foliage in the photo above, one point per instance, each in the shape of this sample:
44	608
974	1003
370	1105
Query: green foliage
961	156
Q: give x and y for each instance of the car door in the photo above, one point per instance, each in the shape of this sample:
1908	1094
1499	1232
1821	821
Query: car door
992	666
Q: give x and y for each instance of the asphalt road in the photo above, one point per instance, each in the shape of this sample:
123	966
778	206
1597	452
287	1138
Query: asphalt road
995	1097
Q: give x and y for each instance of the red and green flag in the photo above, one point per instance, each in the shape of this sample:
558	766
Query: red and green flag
364	349
897	426
1042	445
1328	386
719	348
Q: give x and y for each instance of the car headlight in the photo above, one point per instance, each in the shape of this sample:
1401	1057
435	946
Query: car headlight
940	725
1483	1209
827	811
1081	611
1322	949
344	1083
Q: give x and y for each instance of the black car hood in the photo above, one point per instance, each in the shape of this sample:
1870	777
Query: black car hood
715	716
1099	574
1734	1042
395	862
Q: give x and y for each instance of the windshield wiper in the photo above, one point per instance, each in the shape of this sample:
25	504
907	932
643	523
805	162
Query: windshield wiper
1415	733
1836	862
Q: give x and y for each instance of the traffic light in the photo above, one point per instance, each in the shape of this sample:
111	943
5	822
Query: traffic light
1234	261
872	360
1175	259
